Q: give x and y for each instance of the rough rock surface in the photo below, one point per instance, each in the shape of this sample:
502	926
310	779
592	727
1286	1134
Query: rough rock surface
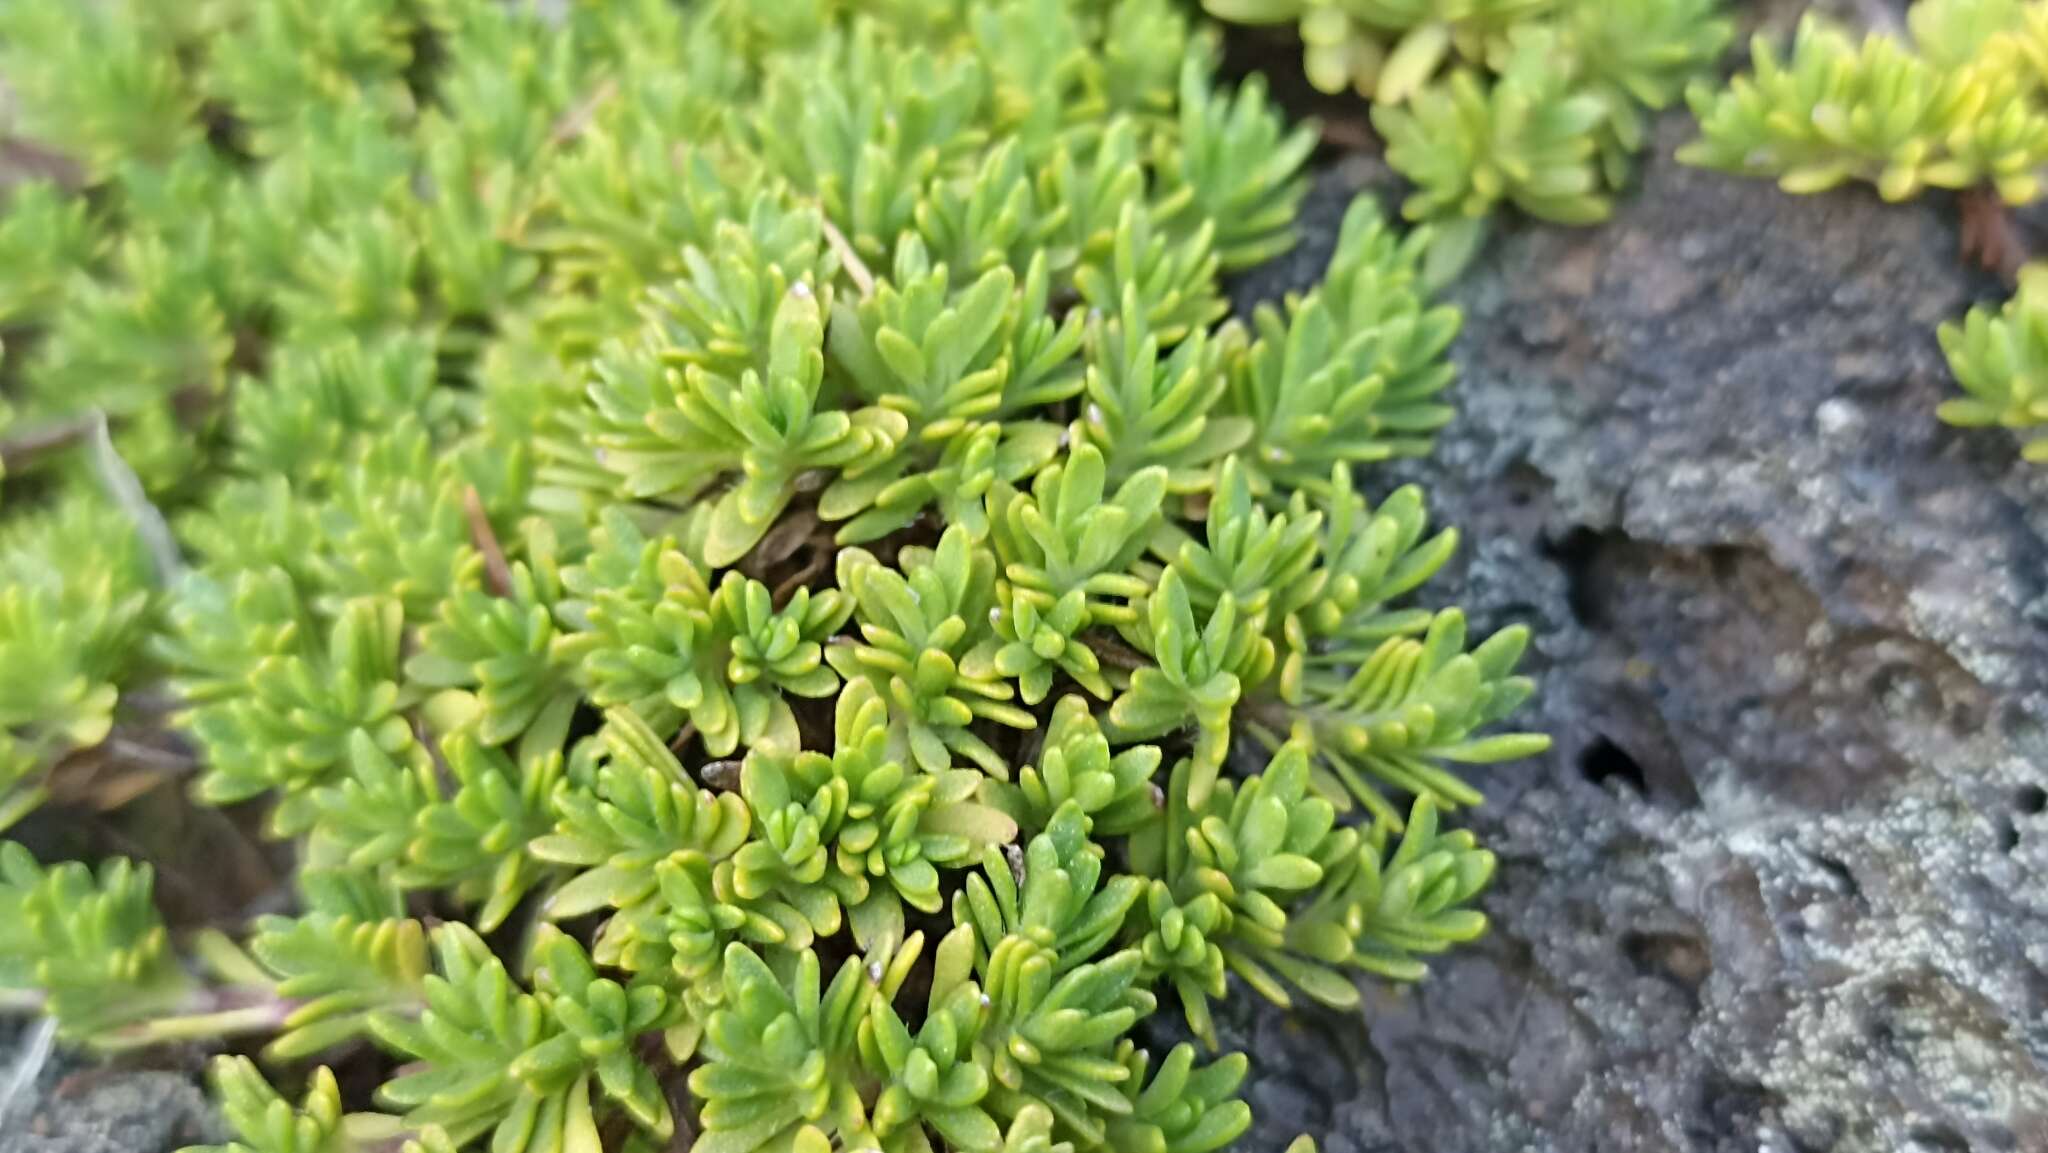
74	1105
1783	882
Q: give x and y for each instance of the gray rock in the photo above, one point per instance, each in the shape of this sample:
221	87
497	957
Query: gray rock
76	1105
1780	884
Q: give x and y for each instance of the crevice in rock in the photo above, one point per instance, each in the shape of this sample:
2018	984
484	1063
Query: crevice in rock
1578	555
1680	958
1734	1105
1759	691
1603	761
1844	880
1939	1138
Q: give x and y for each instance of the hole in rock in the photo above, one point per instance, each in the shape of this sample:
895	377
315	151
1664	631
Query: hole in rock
1680	958
1578	553
1941	1137
1603	761
1844	880
2008	835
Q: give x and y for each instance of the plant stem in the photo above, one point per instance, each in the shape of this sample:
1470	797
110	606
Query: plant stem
856	269
34	1056
265	1018
22	1001
497	573
127	493
19	451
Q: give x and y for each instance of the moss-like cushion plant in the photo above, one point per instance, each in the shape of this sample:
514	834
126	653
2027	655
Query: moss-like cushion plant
737	543
1541	105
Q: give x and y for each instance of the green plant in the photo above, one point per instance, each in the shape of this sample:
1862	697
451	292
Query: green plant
1956	106
734	540
1957	99
74	613
2001	360
92	952
1541	104
265	1122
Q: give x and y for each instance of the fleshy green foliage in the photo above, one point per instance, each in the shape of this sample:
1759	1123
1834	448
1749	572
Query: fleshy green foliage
2001	360
1349	373
1066	549
1149	395
475	811
1960	104
45	235
1200	668
1232	166
654	635
91	950
351	952
1113	788
779	1056
75	600
521	1066
1180	1107
508	652
736	539
953	369
290	724
1262	881
1529	138
1413	704
917	624
265	1122
885	829
1537	103
765	424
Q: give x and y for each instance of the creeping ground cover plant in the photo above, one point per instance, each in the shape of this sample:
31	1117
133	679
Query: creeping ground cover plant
1538	105
739	547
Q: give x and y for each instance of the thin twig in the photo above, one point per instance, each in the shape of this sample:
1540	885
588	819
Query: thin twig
1349	134
117	792
29	1066
444	775
683	737
811	569
168	762
150	702
1115	653
497	574
236	1022
1990	237
576	119
109	775
126	490
19	451
856	268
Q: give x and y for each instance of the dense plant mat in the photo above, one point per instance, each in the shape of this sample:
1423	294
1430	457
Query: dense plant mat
736	541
